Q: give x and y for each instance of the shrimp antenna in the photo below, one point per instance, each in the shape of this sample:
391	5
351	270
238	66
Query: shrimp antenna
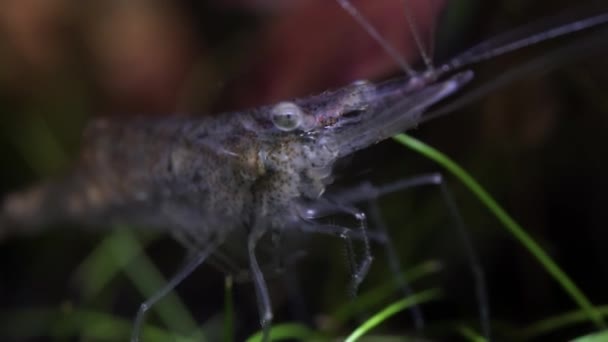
411	21
371	30
541	64
511	41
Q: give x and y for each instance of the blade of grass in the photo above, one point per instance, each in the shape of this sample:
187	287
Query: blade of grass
601	336
470	334
105	327
39	146
148	279
98	268
26	324
285	331
558	322
508	222
374	296
391	310
228	311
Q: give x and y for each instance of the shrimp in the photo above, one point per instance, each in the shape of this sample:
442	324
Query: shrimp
214	180
234	173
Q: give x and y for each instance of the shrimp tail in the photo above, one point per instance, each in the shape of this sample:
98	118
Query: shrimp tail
25	213
30	211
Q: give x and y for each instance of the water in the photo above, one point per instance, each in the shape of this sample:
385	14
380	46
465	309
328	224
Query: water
499	159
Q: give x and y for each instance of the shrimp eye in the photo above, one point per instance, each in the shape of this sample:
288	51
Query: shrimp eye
287	116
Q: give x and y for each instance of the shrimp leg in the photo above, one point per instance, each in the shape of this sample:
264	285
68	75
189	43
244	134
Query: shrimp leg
261	289
370	193
181	274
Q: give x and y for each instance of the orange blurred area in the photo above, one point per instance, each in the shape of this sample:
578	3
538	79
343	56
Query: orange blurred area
132	55
154	57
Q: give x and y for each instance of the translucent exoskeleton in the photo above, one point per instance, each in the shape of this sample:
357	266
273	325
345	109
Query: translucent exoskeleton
232	181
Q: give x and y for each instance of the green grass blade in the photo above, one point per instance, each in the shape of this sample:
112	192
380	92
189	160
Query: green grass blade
148	279
601	336
228	311
391	310
374	296
39	146
104	327
286	331
558	322
68	324
508	222
470	334
99	268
